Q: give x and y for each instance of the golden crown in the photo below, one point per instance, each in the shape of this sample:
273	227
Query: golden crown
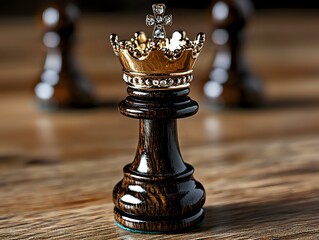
158	62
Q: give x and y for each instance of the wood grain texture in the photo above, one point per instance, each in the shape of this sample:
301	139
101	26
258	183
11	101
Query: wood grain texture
255	190
259	168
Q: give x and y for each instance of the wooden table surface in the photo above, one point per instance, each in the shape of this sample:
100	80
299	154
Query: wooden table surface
260	167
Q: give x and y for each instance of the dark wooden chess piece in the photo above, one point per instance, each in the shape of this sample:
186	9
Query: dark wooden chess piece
158	192
231	84
61	83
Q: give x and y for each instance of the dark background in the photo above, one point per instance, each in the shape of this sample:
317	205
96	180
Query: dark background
27	7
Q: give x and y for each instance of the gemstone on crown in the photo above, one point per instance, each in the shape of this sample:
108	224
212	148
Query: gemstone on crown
159	8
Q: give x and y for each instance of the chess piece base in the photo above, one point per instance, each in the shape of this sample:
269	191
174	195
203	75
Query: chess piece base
52	106
72	91
157	225
243	91
167	203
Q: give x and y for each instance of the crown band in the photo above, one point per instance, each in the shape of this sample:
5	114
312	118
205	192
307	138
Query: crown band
141	81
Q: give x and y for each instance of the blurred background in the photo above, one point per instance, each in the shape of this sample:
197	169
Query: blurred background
285	27
281	47
270	30
20	7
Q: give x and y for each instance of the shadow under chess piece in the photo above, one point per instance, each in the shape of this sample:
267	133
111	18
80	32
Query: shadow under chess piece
158	192
231	84
61	84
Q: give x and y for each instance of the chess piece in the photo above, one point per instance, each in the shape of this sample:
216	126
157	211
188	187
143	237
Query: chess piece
61	84
158	192
231	84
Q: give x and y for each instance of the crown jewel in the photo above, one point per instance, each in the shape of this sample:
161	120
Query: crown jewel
159	20
158	62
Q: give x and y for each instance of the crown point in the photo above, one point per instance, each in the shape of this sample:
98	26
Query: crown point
113	38
115	43
200	37
140	37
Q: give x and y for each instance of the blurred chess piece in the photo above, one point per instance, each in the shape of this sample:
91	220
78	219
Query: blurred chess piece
231	84
61	84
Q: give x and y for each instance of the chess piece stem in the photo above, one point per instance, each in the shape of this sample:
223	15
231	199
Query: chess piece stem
159	144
